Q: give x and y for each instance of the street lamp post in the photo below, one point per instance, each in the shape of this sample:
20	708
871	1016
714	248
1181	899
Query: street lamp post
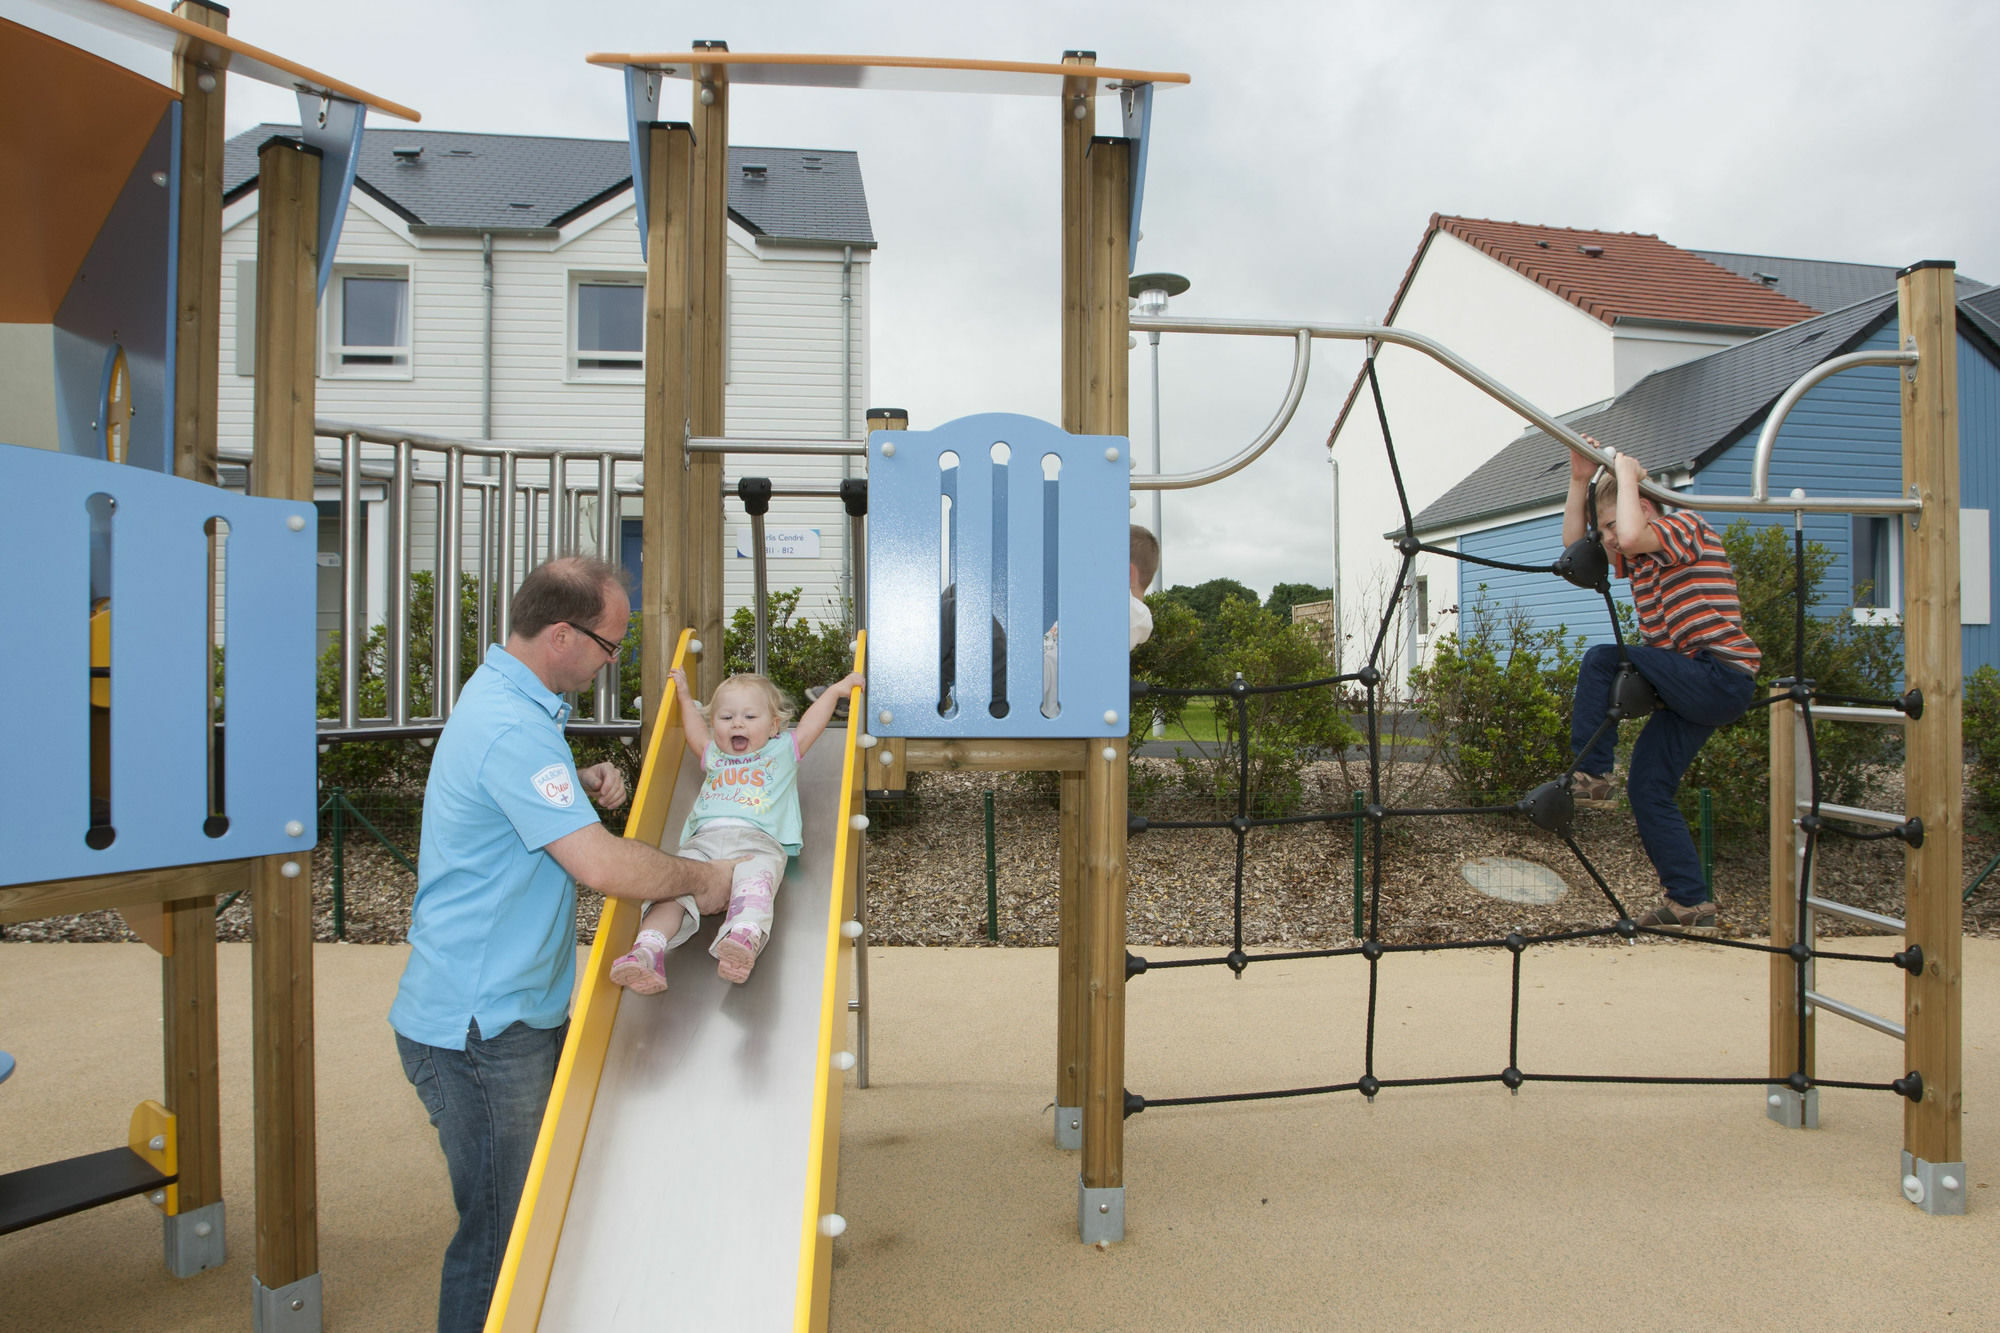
1152	291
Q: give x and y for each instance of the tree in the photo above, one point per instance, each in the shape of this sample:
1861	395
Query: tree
1284	596
1205	599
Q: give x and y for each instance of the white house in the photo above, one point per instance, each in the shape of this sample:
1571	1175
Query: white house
1566	319
490	286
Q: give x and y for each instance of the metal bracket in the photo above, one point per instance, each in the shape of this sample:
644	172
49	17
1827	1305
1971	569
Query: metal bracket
1916	517
1936	1187
1793	1110
194	1240
1100	1214
293	1308
1069	1128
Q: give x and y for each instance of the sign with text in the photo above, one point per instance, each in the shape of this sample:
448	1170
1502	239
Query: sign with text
781	543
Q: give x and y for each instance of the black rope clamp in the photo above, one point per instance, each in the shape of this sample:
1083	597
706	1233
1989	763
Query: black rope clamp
1237	960
755	492
1632	695
1551	806
854	496
1135	966
1911	1085
1912	831
1136	824
1134	1104
1912	704
1911	960
1584	563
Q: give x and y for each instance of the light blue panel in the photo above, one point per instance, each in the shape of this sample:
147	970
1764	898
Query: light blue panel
1137	104
904	560
1979	473
159	683
123	293
333	126
642	109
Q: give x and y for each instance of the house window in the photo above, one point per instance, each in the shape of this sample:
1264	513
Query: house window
1877	569
368	323
607	323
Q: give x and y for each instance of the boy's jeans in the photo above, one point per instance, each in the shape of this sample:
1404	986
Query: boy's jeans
486	1102
1697	695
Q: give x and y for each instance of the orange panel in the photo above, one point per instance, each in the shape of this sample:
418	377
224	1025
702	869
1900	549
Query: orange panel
72	127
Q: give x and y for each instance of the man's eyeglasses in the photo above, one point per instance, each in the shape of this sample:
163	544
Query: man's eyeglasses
609	647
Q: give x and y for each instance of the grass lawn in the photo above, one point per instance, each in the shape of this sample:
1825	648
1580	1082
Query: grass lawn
1198	722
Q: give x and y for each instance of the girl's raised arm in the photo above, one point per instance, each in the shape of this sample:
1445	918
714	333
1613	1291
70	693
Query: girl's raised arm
693	725
814	722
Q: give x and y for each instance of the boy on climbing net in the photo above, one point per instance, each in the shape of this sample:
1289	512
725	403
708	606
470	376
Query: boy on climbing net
1693	652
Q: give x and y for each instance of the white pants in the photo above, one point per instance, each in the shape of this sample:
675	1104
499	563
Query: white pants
753	885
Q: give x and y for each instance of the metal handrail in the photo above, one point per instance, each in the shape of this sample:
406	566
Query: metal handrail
1767	439
1500	393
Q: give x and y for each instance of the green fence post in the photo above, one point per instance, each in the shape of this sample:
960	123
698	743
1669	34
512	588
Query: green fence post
1360	804
339	803
1708	841
992	892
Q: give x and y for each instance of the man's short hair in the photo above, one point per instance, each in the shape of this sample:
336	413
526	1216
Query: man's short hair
568	589
1145	555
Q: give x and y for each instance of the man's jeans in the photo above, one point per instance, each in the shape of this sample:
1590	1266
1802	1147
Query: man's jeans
486	1103
1697	695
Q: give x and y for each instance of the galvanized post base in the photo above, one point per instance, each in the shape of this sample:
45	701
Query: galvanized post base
293	1308
1100	1214
1793	1110
1069	1128
1936	1187
194	1240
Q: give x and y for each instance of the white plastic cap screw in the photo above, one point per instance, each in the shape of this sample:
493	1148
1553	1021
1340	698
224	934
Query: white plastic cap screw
1111	455
885	717
293	828
1775	1101
160	178
290	870
857	822
1110	717
1109	754
888	758
832	1224
851	928
204	1229
296	522
158	1198
1913	1189
694	647
867	742
888	449
1949	1182
158	1143
843	1060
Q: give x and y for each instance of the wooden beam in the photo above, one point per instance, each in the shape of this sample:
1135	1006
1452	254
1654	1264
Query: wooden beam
708	247
198	303
1107	401
993	755
1076	134
1104	965
1933	1002
192	1052
66	897
664	604
1786	738
281	905
1072	984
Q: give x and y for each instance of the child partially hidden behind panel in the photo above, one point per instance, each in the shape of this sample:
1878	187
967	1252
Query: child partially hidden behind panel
748	806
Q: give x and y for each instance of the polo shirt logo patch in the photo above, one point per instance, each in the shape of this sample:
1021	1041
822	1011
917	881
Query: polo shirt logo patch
554	785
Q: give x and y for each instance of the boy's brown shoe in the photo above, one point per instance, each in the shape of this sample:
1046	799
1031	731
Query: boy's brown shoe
1592	791
1670	915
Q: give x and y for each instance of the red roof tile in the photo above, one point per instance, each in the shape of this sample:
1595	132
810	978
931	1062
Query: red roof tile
1622	275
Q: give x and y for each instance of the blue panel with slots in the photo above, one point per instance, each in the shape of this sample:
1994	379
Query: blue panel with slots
998	549
122	754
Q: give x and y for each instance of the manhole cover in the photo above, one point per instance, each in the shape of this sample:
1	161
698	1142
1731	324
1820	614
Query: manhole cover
1514	881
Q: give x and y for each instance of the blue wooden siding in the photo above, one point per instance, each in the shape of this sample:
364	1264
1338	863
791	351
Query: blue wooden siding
1843	438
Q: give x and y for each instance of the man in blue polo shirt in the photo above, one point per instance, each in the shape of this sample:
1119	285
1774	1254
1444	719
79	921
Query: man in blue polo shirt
508	832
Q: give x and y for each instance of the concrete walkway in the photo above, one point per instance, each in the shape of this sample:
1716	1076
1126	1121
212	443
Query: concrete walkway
1568	1206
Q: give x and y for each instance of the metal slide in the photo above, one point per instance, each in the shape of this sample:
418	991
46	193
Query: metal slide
704	1160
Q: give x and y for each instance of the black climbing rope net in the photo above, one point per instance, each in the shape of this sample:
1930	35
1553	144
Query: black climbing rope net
1550	806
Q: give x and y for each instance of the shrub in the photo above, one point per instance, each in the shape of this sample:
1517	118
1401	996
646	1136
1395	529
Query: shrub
1982	740
798	653
1496	700
1285	731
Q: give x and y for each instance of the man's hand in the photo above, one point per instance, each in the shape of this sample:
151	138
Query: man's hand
604	784
710	883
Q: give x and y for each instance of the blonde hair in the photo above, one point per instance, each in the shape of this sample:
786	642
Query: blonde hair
781	707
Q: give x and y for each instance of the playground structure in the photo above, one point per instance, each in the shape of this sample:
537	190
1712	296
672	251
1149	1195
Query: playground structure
163	599
678	174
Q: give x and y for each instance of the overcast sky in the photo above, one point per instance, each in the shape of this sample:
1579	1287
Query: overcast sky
1292	179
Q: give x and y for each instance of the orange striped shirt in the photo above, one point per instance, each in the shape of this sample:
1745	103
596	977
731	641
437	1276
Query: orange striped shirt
1685	594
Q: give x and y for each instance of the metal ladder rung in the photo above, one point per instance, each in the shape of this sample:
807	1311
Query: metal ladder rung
1856	815
1861	1016
1850	713
1861	914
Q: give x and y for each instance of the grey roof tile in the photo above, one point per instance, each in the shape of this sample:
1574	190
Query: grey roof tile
1821	284
1672	419
511	182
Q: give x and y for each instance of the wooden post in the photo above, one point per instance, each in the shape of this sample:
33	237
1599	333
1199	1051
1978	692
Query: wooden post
288	186
1072	988
1078	93
1108	276
665	606
198	310
1786	738
708	246
189	1004
1932	652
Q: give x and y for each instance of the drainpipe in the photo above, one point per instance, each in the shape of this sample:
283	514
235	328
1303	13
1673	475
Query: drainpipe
847	413
486	365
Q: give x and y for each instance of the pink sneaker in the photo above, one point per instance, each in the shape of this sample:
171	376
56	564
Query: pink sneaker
736	953
643	970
